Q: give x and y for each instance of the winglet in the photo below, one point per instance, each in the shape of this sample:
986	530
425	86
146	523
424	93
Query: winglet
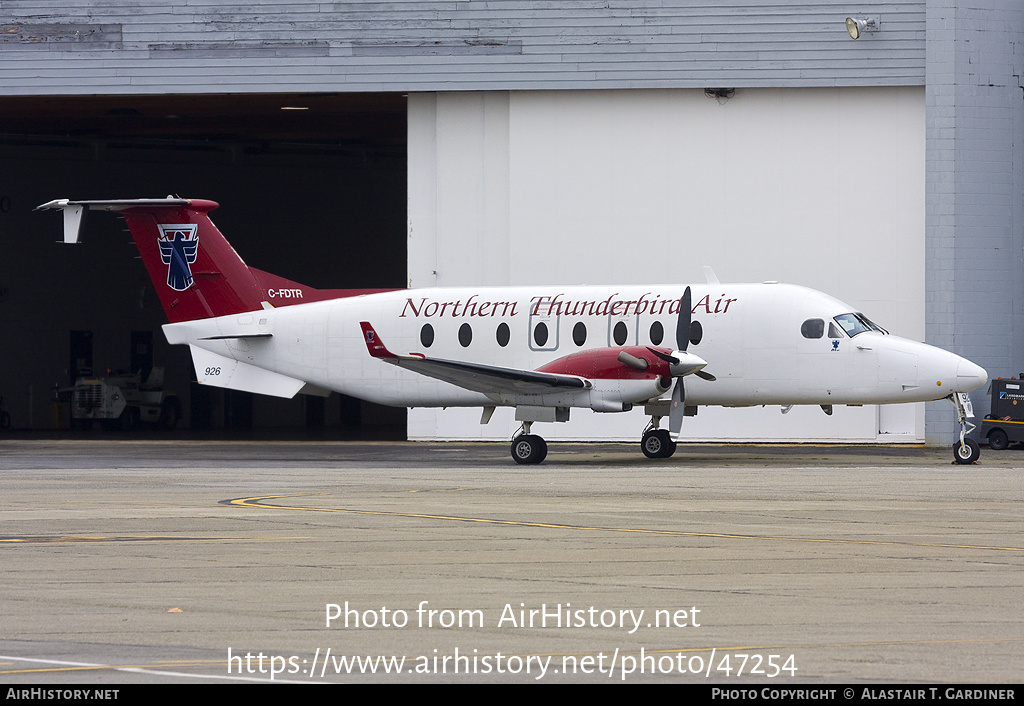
373	343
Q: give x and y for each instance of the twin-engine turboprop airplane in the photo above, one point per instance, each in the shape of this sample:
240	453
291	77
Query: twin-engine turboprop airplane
734	345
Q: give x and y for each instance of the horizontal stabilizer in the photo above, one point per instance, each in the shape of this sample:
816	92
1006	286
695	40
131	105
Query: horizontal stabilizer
220	371
74	210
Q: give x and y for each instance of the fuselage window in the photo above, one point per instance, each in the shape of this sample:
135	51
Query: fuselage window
813	328
657	333
465	335
619	333
540	334
502	334
427	335
579	333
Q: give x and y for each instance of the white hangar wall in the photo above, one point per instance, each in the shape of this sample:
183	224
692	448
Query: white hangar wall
822	187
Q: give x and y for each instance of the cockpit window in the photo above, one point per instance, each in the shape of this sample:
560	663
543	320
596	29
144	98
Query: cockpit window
833	330
813	328
855	324
872	324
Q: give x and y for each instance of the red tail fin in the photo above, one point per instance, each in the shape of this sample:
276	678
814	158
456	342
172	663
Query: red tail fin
196	273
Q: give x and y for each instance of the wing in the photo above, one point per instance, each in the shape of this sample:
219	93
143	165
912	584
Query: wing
487	379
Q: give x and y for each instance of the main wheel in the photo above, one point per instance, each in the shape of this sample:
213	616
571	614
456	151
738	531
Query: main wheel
656	443
998	440
529	449
966	453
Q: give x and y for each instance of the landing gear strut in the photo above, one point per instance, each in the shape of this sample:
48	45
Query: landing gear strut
657	443
965	451
528	448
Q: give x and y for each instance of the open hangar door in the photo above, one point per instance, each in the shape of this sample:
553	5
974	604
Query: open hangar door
311	187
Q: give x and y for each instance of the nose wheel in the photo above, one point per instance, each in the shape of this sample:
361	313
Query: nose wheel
966	452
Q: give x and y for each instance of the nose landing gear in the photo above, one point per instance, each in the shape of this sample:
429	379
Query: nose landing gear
965	451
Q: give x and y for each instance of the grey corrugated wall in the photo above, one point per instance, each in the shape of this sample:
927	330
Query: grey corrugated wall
119	47
974	185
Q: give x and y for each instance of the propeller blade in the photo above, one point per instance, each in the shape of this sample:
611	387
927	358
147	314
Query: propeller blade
675	415
670	359
705	376
683	323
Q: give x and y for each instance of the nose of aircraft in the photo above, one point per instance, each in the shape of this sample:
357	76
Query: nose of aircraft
969	376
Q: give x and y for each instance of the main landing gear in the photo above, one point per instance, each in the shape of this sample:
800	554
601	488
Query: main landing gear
657	443
965	451
528	448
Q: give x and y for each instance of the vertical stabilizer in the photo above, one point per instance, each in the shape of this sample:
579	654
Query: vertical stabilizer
195	272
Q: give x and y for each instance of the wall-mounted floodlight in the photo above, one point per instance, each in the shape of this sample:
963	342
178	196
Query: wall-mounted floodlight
857	25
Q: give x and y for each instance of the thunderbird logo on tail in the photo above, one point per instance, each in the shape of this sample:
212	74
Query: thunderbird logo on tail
179	245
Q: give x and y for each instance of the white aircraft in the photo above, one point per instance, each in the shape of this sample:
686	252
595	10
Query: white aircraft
758	344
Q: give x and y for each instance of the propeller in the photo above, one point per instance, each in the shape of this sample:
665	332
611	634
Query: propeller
682	364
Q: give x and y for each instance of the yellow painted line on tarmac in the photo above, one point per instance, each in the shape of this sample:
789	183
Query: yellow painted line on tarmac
72	539
439	490
258	501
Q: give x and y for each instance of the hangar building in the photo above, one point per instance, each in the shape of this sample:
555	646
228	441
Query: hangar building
364	144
